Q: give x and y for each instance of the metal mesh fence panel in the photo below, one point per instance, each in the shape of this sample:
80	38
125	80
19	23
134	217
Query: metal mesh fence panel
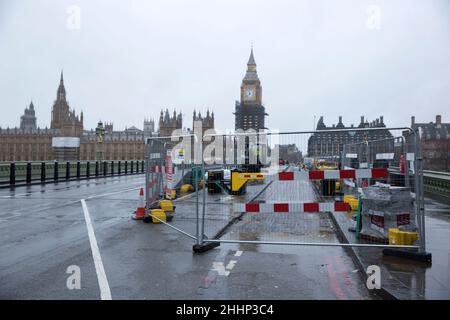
285	187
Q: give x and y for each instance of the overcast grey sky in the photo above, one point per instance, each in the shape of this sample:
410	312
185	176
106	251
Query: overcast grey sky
130	58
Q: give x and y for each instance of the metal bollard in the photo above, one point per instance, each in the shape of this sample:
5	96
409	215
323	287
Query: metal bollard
43	172
112	168
96	168
28	174
67	170
55	171
118	169
12	173
105	168
131	166
78	170
88	169
126	167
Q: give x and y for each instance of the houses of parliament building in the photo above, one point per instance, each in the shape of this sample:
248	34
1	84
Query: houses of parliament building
31	143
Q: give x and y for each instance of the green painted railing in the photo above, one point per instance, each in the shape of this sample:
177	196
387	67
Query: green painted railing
437	182
19	173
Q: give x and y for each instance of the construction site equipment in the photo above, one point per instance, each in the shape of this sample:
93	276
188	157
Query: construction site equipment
156	216
170	194
166	205
398	237
352	201
291	209
236	185
385	207
185	188
239	180
215	181
328	187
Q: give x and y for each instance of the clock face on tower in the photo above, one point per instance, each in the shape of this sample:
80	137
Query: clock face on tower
249	94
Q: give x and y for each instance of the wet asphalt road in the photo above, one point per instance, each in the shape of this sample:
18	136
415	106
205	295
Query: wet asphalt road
43	232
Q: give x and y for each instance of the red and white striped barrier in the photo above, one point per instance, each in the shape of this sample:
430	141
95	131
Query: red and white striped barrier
161	169
331	174
152	183
292	207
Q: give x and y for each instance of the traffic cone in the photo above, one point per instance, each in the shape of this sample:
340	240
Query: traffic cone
140	211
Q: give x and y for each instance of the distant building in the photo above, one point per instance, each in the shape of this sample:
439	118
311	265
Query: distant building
250	112
64	118
66	139
167	123
290	152
435	144
149	126
28	120
330	144
207	121
18	144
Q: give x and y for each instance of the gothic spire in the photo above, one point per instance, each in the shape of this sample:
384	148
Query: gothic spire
251	73
61	95
251	60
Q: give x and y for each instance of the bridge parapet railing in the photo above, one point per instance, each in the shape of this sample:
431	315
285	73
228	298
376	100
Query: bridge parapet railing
27	173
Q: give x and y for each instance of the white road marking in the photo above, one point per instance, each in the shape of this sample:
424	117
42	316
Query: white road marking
105	292
223	270
231	264
220	268
16	195
238	253
111	193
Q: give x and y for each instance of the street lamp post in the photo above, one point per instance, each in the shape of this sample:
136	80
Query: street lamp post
100	135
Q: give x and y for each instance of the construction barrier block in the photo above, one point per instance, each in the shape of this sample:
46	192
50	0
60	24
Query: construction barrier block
159	213
166	205
348	198
398	237
351	201
354	204
185	188
408	238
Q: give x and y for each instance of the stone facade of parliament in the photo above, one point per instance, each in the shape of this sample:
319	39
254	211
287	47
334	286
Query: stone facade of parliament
30	143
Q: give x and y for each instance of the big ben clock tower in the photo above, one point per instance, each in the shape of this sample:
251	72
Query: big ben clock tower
250	112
